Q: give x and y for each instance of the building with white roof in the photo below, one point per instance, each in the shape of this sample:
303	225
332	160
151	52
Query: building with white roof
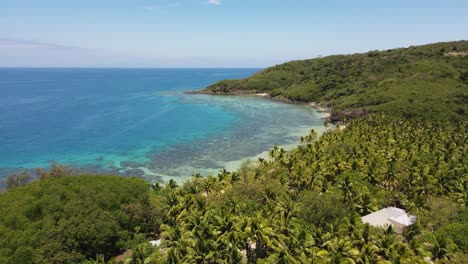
155	243
393	216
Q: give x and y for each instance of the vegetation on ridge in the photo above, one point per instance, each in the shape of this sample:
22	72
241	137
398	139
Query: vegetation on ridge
428	81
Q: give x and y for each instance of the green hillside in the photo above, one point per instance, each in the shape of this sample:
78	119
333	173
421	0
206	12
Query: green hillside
428	81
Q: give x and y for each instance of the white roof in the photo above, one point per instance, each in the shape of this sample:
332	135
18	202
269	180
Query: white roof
389	216
404	219
155	243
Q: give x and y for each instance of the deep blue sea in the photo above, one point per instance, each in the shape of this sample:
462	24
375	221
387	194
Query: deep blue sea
138	121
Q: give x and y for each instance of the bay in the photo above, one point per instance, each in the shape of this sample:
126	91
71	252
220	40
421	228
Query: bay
138	121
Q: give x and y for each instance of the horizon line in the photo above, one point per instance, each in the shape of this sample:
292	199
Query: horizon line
123	68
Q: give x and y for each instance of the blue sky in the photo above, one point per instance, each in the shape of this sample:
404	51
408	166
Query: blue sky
215	33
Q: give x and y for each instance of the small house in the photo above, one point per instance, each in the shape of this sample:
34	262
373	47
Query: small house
396	217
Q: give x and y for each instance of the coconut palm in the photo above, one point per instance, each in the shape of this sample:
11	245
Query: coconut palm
441	248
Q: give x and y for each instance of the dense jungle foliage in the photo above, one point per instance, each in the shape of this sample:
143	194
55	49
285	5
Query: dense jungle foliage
304	206
428	81
299	206
61	219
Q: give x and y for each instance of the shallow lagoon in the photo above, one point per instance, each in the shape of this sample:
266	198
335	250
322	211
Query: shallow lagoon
138	121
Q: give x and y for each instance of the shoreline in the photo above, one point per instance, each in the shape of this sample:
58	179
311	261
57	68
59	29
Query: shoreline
147	172
328	113
323	112
234	165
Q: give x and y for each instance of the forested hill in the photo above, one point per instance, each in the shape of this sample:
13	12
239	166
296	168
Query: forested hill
429	81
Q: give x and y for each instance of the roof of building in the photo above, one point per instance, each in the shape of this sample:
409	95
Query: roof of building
155	243
389	216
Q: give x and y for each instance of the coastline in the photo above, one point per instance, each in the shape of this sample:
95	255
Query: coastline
158	170
328	115
322	111
234	165
325	112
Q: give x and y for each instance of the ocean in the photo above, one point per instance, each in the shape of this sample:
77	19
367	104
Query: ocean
138	121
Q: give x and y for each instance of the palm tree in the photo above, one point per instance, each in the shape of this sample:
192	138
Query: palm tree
367	254
286	209
365	205
461	194
172	184
235	177
223	175
390	181
259	237
156	187
386	242
178	244
339	251
347	189
442	248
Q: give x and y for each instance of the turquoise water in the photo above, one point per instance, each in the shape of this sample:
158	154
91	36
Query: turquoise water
137	121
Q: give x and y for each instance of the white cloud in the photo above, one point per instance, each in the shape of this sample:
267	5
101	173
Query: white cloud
215	2
21	44
150	8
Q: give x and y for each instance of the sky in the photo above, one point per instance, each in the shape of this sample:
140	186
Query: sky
215	33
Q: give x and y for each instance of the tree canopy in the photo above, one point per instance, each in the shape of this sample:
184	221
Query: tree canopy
304	206
70	219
